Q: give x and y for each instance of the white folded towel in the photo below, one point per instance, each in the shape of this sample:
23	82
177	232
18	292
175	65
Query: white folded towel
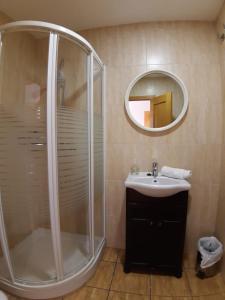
175	172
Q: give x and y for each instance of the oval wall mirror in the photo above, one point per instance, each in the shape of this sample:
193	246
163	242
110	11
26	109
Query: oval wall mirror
156	100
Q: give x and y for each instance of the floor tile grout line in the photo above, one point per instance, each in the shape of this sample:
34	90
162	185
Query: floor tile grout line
112	279
150	286
108	295
117	256
129	293
185	273
123	292
94	287
191	296
114	262
174	297
207	295
117	250
98	288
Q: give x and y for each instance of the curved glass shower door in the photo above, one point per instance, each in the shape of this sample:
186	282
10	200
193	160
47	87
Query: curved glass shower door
51	160
23	155
73	155
4	273
98	149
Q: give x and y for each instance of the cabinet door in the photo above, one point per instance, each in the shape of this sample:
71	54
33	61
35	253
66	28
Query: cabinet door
156	242
141	236
169	239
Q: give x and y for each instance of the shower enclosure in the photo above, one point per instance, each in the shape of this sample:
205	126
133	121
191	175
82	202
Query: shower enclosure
51	159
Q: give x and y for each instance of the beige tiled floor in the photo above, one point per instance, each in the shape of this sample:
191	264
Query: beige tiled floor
111	279
130	283
207	286
111	283
88	293
170	286
103	276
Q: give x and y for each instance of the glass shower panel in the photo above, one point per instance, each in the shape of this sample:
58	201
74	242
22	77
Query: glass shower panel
98	154
73	155
3	267
23	155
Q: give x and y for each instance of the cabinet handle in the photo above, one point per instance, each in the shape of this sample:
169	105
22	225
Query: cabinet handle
151	223
160	224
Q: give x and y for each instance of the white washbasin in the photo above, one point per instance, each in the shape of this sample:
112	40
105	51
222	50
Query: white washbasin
160	186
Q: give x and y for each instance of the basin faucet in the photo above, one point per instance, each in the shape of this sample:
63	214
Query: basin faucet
154	169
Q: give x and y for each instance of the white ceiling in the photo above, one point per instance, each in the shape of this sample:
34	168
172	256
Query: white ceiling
84	14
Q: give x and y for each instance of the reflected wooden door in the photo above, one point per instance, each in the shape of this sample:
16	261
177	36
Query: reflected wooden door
161	108
147	119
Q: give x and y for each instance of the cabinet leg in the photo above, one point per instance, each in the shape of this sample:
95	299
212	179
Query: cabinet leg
178	274
126	268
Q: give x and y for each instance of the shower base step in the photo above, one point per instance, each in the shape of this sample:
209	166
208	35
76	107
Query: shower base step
33	258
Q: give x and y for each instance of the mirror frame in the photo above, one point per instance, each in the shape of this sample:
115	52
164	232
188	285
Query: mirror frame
179	117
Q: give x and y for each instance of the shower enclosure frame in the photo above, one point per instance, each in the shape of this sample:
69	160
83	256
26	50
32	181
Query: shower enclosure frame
64	284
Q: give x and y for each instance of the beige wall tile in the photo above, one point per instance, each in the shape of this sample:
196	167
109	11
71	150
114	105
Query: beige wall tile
120	157
189	261
119	45
130	283
115	231
4	18
221	207
202	212
181	42
121	256
115	213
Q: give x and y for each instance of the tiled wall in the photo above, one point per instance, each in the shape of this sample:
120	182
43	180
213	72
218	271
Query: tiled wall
191	51
220	228
4	18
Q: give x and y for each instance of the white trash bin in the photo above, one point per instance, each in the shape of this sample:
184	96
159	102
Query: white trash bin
210	252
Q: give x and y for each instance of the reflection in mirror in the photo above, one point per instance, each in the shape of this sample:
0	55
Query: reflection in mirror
156	100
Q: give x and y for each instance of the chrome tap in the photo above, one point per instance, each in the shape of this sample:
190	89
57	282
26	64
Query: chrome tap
154	169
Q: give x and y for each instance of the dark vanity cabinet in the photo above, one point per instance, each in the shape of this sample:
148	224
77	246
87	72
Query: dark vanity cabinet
155	232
